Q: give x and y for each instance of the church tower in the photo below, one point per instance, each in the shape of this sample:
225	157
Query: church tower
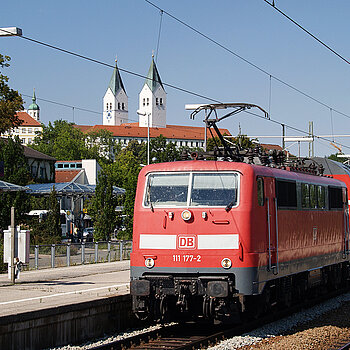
152	100
115	101
33	109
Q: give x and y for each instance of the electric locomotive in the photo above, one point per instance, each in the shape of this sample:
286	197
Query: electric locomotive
213	239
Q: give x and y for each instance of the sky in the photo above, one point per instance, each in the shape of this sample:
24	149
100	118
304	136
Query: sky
252	30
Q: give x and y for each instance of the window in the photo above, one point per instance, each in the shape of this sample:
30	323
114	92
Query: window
24	130
123	106
107	107
118	105
66	165
59	166
30	130
191	189
29	141
157	101
144	102
321	196
260	191
147	101
79	165
335	198
305	196
23	140
313	196
35	130
286	194
161	101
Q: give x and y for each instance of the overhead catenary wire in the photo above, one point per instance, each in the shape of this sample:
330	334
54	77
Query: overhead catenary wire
166	84
307	31
217	43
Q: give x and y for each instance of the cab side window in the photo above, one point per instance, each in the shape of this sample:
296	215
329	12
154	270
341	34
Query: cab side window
260	191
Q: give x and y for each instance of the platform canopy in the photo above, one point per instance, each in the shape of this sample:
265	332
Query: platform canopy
7	187
67	188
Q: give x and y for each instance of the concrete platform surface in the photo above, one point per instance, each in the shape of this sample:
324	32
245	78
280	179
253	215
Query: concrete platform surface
42	289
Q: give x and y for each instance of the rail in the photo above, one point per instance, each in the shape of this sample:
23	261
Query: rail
72	254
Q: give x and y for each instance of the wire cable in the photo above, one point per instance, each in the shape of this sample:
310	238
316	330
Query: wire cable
307	32
169	85
246	61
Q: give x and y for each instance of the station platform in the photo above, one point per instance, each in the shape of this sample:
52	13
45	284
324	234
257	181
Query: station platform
41	289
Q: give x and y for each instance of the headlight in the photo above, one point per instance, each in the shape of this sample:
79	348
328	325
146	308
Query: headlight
226	263
149	262
186	215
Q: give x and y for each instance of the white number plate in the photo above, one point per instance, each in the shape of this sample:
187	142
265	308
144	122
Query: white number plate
187	258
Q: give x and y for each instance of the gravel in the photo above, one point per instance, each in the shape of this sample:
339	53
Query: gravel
315	328
111	338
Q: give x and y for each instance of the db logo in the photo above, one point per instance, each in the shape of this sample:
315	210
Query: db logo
186	242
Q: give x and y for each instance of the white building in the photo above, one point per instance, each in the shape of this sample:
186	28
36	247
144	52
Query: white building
115	101
152	100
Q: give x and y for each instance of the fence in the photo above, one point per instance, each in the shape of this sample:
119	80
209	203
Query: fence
68	254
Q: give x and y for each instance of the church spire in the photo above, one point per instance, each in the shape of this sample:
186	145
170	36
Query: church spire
116	82
153	78
33	109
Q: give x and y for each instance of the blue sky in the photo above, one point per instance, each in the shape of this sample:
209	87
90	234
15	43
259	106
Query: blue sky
129	29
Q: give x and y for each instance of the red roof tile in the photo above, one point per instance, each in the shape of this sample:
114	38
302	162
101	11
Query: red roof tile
65	175
27	119
170	132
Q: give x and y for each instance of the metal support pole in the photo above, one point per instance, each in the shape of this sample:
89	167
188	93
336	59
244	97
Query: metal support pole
109	251
96	252
148	138
121	250
36	257
13	247
53	255
205	132
83	253
68	254
283	136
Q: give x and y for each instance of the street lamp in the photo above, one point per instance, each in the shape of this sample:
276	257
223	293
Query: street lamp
11	31
148	115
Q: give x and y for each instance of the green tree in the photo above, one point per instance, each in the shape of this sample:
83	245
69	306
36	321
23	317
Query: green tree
242	140
10	100
102	207
61	140
48	229
15	163
15	171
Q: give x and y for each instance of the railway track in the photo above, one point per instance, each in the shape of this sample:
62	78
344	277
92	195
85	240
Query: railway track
194	335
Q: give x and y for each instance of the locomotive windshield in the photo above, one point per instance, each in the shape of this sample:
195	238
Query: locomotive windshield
191	189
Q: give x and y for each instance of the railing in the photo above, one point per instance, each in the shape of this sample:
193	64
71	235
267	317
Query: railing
69	254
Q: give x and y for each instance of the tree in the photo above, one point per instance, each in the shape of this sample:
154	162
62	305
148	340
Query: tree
15	163
61	141
48	229
15	171
102	207
242	140
10	101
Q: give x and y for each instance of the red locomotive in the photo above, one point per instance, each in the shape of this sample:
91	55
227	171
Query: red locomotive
215	238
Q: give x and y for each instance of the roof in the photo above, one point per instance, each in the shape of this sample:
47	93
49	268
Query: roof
132	130
66	175
34	106
268	147
6	186
67	188
332	167
153	78
32	153
27	120
116	83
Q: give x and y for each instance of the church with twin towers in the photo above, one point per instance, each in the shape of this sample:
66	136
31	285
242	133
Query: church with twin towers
152	101
152	109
